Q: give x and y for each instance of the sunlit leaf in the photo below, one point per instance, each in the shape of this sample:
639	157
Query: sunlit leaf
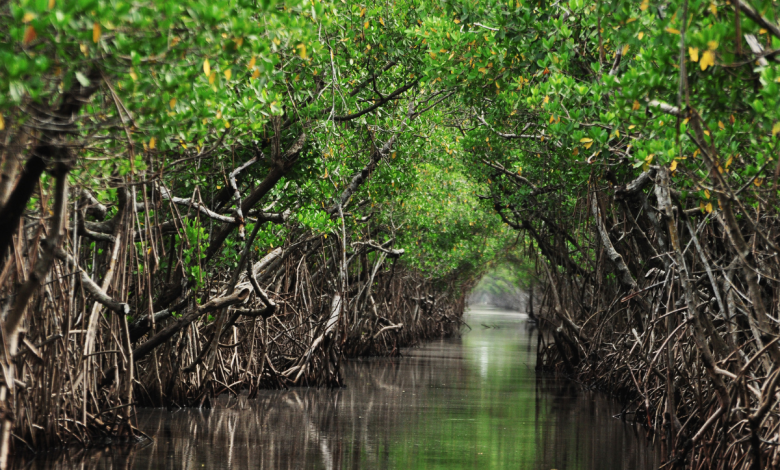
707	60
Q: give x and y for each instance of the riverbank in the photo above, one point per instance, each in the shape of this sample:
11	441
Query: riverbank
279	325
690	437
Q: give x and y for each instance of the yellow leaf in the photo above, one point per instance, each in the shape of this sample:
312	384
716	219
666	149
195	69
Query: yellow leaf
552	118
206	67
712	45
365	25
51	4
672	31
762	31
617	133
758	181
28	17
631	127
95	32
728	162
721	125
694	53
707	59
546	99
228	74
302	50
172	103
362	12
645	4
457	21
707	193
635	106
630	20
714	9
212	77
576	152
382	21
701	205
625	49
481	69
775	128
252	63
673	166
227	125
152	143
588	145
256	73
586	140
649	158
640	35
2	122
708	207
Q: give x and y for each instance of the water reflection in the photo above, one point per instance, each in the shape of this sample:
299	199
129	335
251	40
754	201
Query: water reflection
472	402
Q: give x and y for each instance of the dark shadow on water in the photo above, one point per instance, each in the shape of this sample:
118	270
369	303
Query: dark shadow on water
468	402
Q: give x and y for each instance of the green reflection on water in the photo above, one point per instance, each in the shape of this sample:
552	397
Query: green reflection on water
485	416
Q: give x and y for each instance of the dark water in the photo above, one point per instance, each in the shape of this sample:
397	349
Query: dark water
472	402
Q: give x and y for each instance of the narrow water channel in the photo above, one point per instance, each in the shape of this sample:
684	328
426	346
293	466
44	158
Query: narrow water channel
468	402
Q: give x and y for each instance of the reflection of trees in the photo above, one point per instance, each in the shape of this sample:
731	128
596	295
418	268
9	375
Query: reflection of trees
576	429
299	428
436	406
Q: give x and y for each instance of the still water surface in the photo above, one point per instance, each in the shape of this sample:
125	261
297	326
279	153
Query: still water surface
470	402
